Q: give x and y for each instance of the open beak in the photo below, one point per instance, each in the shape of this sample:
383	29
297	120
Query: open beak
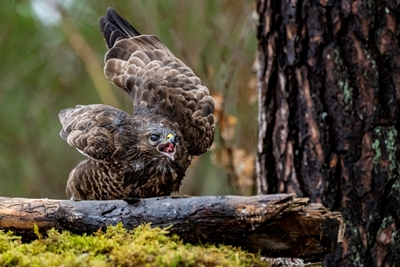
168	147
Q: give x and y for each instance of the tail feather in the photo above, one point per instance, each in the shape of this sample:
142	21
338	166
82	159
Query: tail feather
115	28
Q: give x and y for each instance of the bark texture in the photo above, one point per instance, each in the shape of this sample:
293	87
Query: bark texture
329	90
275	225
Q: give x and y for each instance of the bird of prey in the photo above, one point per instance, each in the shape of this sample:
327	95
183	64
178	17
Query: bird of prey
145	154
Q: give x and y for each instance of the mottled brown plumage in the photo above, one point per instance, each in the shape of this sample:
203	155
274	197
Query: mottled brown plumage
147	154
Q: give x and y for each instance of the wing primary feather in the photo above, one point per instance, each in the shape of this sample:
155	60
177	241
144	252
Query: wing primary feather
114	28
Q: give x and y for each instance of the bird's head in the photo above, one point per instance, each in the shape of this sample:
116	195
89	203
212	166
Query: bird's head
166	142
162	140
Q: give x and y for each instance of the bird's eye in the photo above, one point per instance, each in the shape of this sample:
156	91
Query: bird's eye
154	137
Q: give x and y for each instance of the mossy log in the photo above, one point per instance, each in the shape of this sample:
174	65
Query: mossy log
276	225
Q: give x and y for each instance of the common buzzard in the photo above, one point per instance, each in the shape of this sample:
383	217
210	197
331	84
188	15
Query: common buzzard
145	154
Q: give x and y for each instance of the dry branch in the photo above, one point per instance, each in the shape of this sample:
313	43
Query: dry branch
276	225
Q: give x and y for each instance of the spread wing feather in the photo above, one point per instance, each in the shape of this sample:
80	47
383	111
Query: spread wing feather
97	131
158	82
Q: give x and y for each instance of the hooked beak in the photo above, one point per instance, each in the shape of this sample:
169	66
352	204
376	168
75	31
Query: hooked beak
168	147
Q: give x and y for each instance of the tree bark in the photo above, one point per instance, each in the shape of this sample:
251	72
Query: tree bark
329	91
275	225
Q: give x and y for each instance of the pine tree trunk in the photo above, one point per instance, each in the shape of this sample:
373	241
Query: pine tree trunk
329	91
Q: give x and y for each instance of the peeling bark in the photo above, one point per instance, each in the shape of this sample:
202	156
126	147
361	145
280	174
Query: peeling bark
329	99
275	225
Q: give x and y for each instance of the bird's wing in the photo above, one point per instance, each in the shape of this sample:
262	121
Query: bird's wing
95	130
158	82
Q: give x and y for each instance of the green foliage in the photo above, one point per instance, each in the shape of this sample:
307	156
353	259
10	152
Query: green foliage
145	246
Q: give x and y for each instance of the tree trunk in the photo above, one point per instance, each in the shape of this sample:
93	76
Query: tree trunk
275	225
329	90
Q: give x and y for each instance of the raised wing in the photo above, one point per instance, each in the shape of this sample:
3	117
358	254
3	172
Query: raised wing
158	82
97	131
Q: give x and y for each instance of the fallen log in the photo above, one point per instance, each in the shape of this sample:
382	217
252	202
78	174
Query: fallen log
276	225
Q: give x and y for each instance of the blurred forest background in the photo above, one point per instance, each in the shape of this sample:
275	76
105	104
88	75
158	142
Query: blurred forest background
51	55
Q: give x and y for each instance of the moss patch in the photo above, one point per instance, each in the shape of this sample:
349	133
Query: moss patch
144	246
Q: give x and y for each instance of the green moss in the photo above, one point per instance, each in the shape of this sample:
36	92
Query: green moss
145	246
